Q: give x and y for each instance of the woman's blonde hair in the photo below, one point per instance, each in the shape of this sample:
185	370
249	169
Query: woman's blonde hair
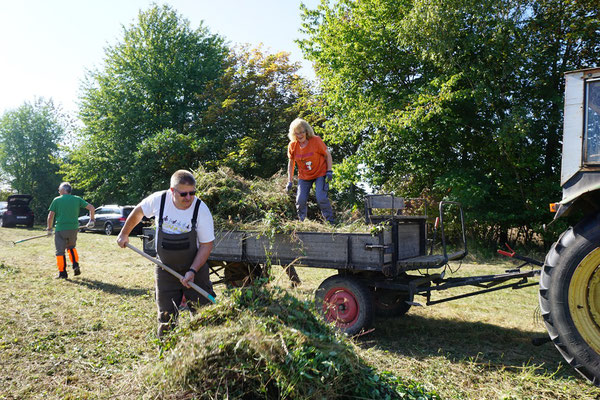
300	123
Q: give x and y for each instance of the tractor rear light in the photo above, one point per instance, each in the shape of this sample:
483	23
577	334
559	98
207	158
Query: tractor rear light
553	207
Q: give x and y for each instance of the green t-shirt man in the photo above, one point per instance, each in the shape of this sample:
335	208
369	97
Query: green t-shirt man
66	207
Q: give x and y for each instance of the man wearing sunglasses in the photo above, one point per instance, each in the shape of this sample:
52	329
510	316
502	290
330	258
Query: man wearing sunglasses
184	239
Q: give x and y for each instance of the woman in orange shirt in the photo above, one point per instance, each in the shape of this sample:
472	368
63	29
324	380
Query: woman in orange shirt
314	166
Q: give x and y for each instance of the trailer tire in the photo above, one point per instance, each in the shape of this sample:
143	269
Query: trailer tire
345	301
390	303
569	297
241	274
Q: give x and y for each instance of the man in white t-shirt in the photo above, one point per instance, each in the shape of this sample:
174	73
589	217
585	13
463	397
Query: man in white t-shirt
184	239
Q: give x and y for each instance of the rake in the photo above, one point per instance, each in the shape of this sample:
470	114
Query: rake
31	238
172	272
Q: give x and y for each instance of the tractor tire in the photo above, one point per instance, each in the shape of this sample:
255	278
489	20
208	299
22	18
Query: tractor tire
346	302
570	297
390	303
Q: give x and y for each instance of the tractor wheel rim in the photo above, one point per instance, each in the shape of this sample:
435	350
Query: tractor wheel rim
340	306
584	299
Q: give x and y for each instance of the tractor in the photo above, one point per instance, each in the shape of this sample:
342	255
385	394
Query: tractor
569	292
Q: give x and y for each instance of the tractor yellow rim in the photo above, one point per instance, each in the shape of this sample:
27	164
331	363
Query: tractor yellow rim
584	299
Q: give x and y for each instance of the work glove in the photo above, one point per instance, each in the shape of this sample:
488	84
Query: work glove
328	176
288	187
90	223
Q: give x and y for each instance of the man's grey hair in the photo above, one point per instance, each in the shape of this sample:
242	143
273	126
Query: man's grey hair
66	186
182	177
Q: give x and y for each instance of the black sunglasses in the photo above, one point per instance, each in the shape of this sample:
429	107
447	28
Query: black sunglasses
184	194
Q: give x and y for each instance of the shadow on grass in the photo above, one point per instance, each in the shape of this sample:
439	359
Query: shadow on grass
109	287
494	346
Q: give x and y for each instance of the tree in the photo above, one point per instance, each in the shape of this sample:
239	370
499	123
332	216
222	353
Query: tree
463	97
29	151
157	78
259	96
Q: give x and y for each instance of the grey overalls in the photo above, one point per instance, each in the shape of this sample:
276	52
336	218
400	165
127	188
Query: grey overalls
177	250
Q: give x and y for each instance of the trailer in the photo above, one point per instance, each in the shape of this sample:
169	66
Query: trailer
379	272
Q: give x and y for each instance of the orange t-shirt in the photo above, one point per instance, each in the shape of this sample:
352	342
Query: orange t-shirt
311	160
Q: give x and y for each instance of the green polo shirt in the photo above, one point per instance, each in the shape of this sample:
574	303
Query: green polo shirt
66	208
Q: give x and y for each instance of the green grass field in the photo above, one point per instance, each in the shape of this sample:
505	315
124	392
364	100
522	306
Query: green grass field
88	337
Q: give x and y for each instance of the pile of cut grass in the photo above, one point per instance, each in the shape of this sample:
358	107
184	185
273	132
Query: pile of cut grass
262	342
256	204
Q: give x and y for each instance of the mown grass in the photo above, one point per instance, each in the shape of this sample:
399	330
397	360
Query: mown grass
86	338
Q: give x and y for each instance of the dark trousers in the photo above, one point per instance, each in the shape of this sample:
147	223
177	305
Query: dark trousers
170	292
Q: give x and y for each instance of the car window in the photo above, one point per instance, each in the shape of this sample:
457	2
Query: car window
127	211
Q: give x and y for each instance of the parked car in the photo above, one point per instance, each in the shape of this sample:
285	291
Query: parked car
110	219
17	211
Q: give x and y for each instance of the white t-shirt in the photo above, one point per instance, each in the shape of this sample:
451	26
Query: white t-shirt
179	221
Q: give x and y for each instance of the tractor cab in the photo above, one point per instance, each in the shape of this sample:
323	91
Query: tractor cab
580	173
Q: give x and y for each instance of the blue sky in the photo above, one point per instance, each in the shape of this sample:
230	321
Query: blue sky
47	45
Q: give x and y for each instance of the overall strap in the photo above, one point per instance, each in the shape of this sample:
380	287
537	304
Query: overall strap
195	216
162	208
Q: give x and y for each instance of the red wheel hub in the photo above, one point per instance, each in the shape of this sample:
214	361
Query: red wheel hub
340	306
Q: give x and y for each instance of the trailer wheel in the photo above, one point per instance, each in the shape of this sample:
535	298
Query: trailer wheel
345	301
570	297
390	303
241	274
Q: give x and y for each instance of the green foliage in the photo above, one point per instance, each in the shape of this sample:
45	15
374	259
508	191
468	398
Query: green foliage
257	99
263	205
4	194
29	151
265	343
171	97
232	198
153	87
462	97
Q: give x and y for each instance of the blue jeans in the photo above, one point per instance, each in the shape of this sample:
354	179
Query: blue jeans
321	189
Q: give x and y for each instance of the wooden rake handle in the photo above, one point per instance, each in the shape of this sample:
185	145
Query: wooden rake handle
31	238
172	272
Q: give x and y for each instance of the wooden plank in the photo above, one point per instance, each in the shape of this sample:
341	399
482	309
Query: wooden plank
385	201
409	241
227	246
305	247
361	255
312	249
